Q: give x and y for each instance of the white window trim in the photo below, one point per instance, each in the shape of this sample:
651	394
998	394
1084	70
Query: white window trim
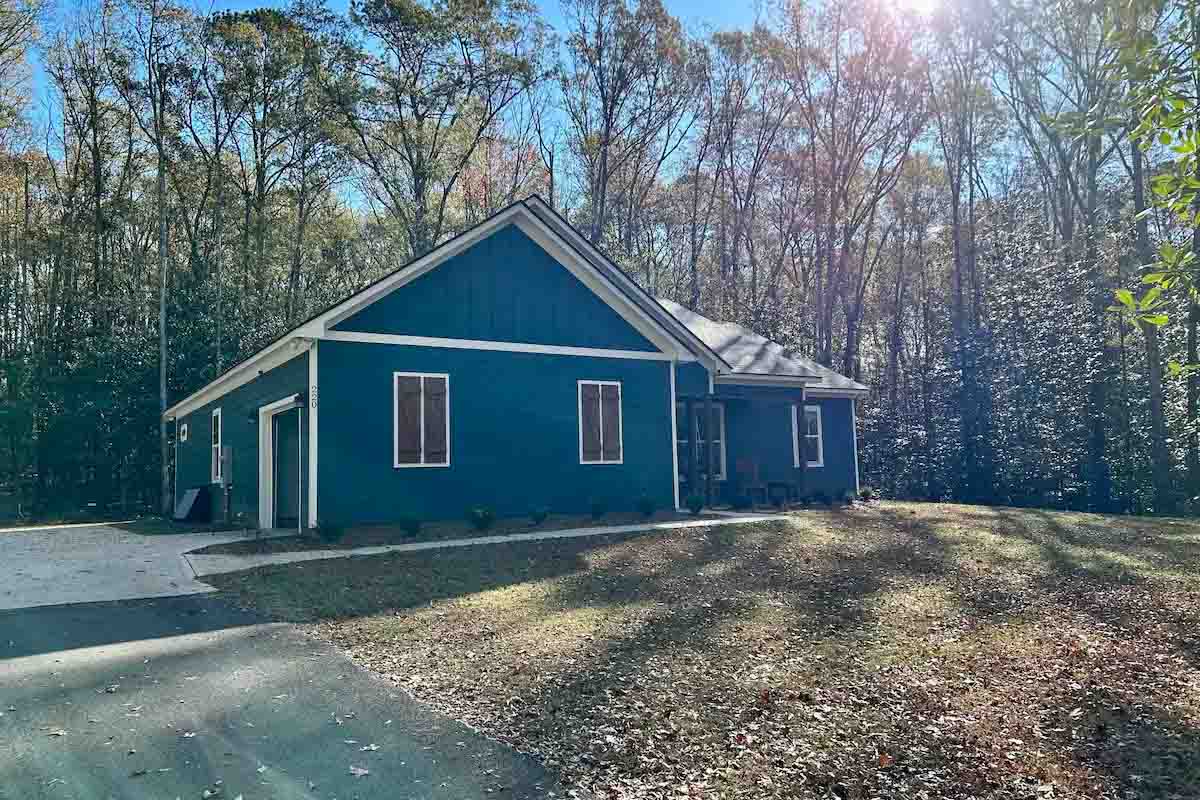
721	474
396	429
215	449
620	420
820	460
183	431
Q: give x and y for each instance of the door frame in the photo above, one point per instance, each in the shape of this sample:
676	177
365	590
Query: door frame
266	461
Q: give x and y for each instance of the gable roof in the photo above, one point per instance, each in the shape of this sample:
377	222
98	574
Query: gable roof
548	230
754	356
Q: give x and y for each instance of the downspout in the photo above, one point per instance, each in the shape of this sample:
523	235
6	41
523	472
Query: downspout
674	437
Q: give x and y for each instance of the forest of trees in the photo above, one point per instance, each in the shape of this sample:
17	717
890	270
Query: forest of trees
947	206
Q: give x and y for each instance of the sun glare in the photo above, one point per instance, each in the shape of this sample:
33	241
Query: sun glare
924	8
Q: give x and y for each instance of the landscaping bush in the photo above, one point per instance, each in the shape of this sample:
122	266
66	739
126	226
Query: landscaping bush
695	503
646	505
410	526
539	516
598	508
866	493
481	518
742	502
330	533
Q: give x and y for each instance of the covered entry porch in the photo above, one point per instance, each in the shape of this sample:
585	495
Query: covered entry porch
744	442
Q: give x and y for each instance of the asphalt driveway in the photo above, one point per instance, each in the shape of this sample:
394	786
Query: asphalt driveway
174	697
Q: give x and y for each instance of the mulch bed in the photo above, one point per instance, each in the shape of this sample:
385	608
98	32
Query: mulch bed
891	651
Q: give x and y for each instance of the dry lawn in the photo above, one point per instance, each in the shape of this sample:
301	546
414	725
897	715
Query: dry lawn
890	651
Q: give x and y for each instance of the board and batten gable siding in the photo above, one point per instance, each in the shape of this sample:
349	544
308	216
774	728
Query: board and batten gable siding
514	434
691	379
758	426
503	288
239	412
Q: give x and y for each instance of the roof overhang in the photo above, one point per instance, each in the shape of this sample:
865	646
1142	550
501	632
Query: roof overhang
759	379
271	356
831	392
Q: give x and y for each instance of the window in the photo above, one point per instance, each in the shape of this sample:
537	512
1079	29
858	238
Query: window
600	422
183	432
697	431
421	436
216	446
808	436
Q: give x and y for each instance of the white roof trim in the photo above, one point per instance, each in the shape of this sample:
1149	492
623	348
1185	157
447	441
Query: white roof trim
553	239
271	356
758	379
819	391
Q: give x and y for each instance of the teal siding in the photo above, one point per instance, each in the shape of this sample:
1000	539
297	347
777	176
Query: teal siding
691	378
504	288
239	412
514	434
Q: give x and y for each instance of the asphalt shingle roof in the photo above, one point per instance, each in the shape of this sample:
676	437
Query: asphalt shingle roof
749	353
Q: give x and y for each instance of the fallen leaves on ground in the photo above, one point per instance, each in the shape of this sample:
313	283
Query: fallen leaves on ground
889	651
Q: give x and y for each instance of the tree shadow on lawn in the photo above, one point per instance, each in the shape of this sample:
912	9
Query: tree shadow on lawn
835	633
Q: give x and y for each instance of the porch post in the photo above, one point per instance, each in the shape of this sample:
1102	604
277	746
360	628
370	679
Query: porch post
708	447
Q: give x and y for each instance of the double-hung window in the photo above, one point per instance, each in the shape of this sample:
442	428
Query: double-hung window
600	422
806	436
216	446
421	434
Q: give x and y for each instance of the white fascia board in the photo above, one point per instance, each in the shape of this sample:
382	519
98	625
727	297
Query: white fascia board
268	358
849	394
714	362
752	379
433	258
481	344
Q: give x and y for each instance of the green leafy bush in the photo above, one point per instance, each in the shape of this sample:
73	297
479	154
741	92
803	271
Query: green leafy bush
539	515
742	502
410	526
481	518
598	508
695	503
646	505
866	493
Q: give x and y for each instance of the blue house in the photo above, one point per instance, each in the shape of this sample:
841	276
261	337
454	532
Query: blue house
513	367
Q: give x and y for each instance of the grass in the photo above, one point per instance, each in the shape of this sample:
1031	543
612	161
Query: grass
894	650
370	536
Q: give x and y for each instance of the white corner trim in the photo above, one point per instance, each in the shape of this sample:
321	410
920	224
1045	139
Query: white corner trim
396	428
313	427
854	441
483	344
266	457
674	438
600	417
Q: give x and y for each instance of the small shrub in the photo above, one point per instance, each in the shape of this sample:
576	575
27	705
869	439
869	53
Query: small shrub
695	503
481	518
646	505
742	502
866	493
598	508
330	533
539	515
410	526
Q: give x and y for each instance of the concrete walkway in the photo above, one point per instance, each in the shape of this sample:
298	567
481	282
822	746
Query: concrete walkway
61	564
218	563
